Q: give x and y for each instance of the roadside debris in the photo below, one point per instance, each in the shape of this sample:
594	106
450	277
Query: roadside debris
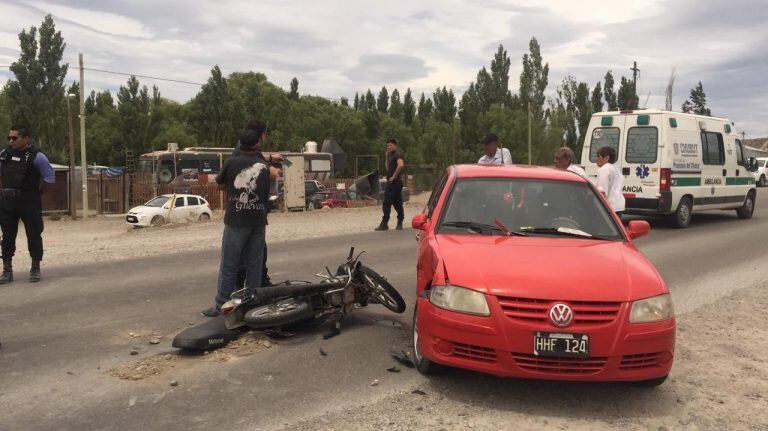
323	352
375	383
403	358
393	370
134	352
418	392
174	383
154	341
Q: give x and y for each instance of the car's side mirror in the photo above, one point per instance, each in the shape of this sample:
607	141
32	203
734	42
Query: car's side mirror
419	221
638	228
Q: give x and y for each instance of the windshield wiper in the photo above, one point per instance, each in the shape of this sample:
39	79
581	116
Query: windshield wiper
479	227
564	231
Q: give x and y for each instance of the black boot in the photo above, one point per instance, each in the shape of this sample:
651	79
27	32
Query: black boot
382	226
399	225
7	275
34	273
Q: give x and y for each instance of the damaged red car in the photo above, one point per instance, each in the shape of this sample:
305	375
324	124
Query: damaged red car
527	272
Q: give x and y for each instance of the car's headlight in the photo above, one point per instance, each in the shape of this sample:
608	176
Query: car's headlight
652	309
459	299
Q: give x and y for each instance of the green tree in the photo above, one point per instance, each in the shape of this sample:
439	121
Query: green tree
36	94
395	105
356	104
382	103
134	123
627	97
409	107
294	93
500	77
425	108
533	82
344	102
697	102
445	105
370	101
597	98
210	112
610	95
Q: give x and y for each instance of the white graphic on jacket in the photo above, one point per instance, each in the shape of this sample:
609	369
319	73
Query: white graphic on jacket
246	188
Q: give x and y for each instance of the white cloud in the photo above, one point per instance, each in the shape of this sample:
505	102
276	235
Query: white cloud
444	43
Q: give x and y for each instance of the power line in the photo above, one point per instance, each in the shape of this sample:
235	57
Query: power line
111	72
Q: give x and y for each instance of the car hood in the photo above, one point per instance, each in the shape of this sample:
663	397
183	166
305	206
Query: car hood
549	268
141	209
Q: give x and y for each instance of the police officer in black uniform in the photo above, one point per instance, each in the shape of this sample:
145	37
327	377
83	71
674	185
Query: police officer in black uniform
25	174
393	194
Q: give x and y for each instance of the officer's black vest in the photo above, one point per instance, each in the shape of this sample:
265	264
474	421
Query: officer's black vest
18	171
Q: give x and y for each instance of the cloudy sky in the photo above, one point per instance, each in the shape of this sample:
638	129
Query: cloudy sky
338	47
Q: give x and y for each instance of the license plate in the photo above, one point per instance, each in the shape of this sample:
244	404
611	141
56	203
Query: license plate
131	219
561	345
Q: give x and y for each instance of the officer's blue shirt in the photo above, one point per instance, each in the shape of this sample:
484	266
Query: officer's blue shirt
44	167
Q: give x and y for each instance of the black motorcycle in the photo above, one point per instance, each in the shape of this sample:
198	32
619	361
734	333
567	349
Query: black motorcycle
292	303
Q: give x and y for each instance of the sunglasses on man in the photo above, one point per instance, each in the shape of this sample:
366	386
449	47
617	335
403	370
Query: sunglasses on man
13	138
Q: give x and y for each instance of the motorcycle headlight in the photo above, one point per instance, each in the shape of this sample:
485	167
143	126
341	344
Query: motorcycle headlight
652	309
459	299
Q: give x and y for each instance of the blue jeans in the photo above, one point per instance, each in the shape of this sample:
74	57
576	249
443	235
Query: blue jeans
238	241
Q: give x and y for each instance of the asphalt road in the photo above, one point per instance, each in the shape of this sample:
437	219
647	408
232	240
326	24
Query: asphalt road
59	337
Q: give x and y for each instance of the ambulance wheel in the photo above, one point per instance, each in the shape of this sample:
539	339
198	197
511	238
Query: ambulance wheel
682	217
762	182
746	211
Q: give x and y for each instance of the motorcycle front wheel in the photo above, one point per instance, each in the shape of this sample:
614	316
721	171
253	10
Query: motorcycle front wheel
280	313
380	290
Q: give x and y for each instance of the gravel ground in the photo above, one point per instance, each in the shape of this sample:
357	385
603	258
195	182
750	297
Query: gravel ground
719	382
108	238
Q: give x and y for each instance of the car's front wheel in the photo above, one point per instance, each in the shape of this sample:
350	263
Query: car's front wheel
762	182
746	210
205	217
424	365
157	220
682	217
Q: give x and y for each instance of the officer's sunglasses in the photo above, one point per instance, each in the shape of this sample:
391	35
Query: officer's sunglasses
13	138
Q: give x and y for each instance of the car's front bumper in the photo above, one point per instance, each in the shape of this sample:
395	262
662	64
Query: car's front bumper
619	351
136	220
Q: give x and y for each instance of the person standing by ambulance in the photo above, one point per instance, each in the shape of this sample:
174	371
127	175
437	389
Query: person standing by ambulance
610	181
25	175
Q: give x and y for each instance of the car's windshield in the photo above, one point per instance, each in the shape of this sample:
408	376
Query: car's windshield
157	202
534	207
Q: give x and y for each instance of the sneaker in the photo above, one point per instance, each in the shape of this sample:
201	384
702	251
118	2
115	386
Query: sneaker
210	312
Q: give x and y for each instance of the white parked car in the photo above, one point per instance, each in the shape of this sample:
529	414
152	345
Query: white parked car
169	208
761	175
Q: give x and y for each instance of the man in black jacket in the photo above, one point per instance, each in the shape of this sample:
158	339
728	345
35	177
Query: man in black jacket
393	195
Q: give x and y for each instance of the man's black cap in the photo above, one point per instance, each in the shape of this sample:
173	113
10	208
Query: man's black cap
489	138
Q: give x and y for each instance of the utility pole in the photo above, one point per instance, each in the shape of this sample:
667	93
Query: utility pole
71	182
635	72
83	164
529	134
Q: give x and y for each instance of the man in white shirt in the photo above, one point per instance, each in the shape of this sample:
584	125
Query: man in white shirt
493	154
610	181
565	159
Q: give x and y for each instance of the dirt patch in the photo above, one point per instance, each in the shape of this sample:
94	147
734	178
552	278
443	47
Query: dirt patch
149	367
719	382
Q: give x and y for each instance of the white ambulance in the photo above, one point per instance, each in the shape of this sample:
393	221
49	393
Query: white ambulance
674	163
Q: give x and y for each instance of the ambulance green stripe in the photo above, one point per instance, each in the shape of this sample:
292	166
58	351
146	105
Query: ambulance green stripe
736	181
686	182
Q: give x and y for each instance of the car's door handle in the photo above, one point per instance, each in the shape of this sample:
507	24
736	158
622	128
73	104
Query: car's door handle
725	172
625	171
737	172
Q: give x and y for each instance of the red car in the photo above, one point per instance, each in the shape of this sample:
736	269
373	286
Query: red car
527	272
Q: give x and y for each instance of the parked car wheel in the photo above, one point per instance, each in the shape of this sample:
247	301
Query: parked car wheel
746	211
424	365
157	220
204	217
682	217
762	182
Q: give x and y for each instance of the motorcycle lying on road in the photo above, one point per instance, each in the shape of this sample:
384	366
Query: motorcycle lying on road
352	286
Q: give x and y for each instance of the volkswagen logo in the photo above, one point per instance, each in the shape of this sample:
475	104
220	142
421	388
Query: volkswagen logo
561	315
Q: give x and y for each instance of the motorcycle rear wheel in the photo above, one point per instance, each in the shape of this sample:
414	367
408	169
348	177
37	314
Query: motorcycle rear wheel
280	313
381	291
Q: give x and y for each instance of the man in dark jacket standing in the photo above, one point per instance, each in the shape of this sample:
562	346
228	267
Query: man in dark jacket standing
25	174
393	195
245	177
